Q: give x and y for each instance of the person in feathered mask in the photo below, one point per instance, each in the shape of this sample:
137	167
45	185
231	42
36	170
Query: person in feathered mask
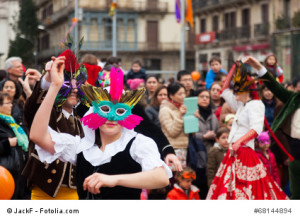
56	180
113	161
241	174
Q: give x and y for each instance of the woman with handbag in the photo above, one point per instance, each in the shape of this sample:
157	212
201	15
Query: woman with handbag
13	141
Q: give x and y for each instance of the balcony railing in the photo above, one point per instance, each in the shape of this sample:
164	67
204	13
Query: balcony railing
235	33
261	30
203	5
127	5
107	46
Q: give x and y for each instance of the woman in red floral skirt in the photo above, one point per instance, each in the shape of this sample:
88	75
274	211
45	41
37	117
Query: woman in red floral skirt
241	175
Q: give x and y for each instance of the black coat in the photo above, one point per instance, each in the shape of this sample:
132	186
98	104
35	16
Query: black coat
5	150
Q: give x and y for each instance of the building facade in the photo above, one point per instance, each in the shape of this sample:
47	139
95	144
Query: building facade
233	28
146	30
9	12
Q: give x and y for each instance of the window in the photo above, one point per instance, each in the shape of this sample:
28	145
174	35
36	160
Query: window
215	23
94	29
152	64
152	33
286	8
246	17
202	25
265	13
230	20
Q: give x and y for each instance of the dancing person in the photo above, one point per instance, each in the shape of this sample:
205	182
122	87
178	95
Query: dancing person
286	121
241	174
113	161
55	180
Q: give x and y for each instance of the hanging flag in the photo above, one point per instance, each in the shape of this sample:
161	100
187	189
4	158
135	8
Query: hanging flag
112	9
177	11
189	13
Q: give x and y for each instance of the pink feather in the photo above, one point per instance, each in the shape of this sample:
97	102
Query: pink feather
131	121
116	83
93	121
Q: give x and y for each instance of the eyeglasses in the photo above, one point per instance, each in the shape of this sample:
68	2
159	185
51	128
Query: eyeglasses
203	96
8	103
188	175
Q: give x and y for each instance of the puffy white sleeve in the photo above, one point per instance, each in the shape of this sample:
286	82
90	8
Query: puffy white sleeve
145	152
230	99
256	113
65	146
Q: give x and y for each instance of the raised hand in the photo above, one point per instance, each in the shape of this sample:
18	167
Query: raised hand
253	62
57	71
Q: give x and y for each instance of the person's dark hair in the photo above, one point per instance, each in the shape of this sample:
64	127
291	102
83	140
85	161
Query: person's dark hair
138	62
295	81
18	89
201	90
215	58
221	131
3	96
151	76
3	74
182	73
154	101
219	76
112	61
173	88
89	59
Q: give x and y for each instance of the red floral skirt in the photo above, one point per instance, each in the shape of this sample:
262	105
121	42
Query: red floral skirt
244	177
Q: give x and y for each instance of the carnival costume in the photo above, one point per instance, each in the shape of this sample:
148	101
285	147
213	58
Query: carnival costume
287	123
241	175
55	179
131	153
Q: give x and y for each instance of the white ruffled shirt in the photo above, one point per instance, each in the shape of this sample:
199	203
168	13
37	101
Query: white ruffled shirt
143	149
248	116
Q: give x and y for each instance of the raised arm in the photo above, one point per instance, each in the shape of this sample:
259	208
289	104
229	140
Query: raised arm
275	87
39	129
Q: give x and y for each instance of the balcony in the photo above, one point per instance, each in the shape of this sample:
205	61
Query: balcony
62	14
261	30
126	6
107	46
235	33
207	5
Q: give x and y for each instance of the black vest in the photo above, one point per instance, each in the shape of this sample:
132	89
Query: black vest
121	163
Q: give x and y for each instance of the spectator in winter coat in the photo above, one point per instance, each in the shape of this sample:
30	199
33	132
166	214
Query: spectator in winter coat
183	189
217	153
266	156
153	109
215	69
136	71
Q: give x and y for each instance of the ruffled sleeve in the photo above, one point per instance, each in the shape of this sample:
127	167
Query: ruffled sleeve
65	146
145	152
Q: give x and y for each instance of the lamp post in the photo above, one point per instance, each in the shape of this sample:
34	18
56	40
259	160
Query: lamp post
114	31
76	27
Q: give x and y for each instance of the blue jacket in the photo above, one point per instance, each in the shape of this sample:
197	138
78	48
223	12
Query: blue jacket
210	77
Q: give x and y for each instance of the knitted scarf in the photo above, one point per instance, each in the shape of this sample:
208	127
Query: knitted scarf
19	132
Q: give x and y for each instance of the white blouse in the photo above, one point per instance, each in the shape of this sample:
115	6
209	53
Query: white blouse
248	116
143	149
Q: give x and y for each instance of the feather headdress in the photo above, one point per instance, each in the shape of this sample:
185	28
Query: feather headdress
74	74
111	103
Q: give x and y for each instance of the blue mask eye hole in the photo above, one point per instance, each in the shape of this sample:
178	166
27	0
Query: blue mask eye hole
66	83
105	109
120	111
